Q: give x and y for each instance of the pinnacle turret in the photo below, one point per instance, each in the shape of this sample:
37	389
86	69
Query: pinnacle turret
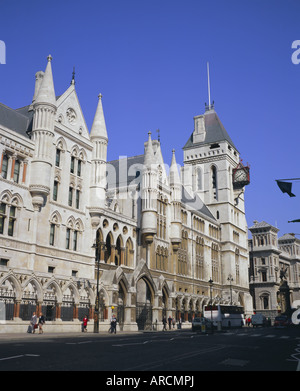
149	153
99	128
46	93
174	177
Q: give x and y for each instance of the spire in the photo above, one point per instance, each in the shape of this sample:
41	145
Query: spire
174	174
73	77
46	93
209	106
149	153
99	127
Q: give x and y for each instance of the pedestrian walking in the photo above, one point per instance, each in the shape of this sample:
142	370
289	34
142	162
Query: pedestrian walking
170	321
173	323
84	324
33	324
179	324
41	323
113	324
164	324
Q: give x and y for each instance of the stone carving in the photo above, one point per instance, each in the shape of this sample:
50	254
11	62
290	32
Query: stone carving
71	115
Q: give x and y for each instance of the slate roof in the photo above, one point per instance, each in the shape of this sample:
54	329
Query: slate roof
215	131
288	237
117	177
19	120
195	203
122	172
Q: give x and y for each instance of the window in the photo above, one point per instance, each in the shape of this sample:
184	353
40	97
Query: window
68	234
4	167
51	269
74	273
215	262
52	234
55	190
77	198
72	164
2	216
16	171
11	221
214	183
3	262
265	302
79	168
264	276
57	157
75	240
70	201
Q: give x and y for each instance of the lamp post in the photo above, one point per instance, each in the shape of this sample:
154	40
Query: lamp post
230	279
210	288
96	312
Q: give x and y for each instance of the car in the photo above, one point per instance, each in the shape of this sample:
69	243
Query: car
198	324
282	321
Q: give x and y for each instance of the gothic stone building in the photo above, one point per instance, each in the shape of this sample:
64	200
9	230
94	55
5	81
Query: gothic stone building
156	233
270	258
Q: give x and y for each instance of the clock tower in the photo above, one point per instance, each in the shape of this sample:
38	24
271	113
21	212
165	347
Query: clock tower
213	171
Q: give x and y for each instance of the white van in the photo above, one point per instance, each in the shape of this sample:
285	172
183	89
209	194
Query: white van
258	320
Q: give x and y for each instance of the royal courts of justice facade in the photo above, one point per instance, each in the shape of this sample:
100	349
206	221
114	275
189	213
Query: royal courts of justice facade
157	232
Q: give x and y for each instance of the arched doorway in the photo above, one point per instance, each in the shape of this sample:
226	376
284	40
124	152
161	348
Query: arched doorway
144	305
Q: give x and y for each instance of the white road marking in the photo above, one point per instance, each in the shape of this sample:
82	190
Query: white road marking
21	355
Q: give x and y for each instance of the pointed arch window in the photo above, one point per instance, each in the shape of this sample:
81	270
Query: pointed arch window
55	190
70	196
214	182
79	168
52	234
68	236
57	157
75	240
8	215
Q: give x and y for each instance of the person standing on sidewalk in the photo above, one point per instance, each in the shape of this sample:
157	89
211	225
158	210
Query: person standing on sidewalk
33	322
113	324
164	323
41	323
84	323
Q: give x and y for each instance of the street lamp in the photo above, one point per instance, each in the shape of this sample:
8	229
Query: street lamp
96	312
210	288
230	279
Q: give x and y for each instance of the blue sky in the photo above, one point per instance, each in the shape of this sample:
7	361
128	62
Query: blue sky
148	59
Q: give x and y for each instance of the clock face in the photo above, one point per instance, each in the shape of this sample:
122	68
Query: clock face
240	177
